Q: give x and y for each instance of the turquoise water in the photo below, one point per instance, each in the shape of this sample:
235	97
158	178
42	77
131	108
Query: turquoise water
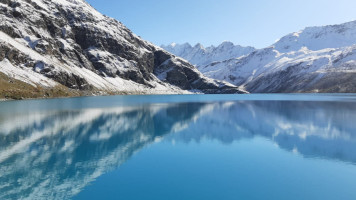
180	147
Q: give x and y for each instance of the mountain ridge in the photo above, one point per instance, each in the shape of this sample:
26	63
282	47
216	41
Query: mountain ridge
200	56
315	59
71	45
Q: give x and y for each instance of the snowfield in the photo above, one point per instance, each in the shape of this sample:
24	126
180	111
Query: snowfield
200	56
68	43
316	59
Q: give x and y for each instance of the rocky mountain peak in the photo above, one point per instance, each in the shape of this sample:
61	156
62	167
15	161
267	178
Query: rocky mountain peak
316	59
199	46
226	44
202	56
68	43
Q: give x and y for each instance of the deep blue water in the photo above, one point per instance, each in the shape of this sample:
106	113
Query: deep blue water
205	147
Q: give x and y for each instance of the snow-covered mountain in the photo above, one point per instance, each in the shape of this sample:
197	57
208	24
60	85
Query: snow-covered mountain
316	59
67	47
200	56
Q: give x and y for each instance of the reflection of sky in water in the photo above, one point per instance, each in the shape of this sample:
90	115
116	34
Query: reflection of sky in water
55	149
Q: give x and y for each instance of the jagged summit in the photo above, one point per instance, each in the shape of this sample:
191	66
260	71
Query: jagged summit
68	44
316	59
227	44
201	56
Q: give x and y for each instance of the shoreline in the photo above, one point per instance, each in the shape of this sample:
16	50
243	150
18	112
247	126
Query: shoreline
97	95
148	94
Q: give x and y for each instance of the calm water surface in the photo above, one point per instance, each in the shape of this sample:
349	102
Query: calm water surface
179	147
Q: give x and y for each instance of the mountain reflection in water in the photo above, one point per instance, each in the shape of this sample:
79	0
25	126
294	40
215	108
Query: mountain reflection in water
55	154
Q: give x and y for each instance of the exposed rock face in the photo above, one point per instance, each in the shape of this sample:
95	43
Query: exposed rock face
270	71
202	56
68	42
316	59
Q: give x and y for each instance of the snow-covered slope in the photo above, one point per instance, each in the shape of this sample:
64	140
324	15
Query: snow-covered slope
46	43
318	38
316	59
201	56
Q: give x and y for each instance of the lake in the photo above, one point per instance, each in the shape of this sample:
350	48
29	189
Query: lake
278	147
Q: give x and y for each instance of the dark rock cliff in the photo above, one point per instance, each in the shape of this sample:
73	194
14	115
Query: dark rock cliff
70	43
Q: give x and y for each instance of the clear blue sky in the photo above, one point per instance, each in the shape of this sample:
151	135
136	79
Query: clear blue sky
249	22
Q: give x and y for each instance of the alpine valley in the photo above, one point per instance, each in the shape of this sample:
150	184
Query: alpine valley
51	48
316	59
